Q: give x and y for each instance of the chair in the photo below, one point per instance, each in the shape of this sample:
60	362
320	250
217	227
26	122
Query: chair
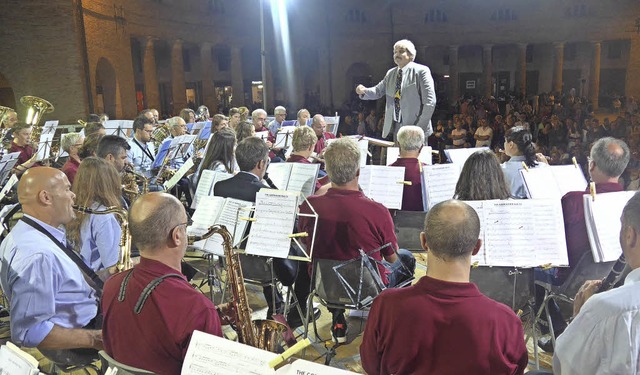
109	363
72	360
494	283
408	225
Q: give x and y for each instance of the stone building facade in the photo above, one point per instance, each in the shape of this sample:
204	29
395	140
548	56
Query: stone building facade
118	56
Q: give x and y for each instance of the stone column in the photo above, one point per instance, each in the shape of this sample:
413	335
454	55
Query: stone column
208	89
521	71
454	83
594	76
237	84
632	85
179	89
487	69
558	61
151	88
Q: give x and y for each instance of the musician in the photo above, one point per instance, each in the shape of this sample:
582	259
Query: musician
319	126
97	237
349	221
7	121
177	128
443	324
518	145
234	117
93	128
245	129
604	336
90	145
411	140
258	118
52	306
71	144
22	144
149	115
609	158
220	155
302	117
142	153
481	178
280	114
114	150
156	338
219	122
188	115
409	91
304	139
156	115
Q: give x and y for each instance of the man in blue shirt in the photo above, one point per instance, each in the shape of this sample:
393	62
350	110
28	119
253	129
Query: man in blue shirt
50	300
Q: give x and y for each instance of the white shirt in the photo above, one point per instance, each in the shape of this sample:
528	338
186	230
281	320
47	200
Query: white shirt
604	338
139	158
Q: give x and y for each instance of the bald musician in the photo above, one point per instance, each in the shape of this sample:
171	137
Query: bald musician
443	324
52	306
156	336
411	140
319	126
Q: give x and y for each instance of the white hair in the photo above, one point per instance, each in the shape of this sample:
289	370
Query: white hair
406	44
257	112
410	138
279	109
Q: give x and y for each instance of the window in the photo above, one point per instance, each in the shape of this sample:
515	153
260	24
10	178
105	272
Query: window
356	16
435	15
222	55
186	60
504	14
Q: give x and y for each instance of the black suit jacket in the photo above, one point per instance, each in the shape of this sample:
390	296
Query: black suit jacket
243	186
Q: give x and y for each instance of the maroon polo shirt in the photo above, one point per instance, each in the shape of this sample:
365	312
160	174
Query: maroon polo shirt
440	327
303	160
322	142
26	152
412	194
70	168
348	221
575	228
158	337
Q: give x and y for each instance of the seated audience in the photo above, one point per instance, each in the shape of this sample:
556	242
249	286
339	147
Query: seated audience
411	139
603	336
52	307
481	179
71	144
161	327
443	324
349	221
97	236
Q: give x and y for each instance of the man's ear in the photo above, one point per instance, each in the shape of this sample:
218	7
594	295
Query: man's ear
423	241
110	158
477	247
44	198
175	236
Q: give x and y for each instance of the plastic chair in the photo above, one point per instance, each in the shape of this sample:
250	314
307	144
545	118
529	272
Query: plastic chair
110	363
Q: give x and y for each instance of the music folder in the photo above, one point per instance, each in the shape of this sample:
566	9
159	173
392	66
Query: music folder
602	216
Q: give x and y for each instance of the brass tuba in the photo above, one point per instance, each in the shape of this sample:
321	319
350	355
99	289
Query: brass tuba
36	107
202	114
261	334
124	255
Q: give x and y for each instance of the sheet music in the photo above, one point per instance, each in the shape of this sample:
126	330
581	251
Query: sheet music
179	174
204	188
481	257
212	355
205	216
279	174
275	216
569	178
7	187
363	145
228	216
364	180
303	367
602	217
303	178
44	146
14	361
385	185
460	155
284	137
121	128
393	153
553	182
332	124
524	233
197	127
49	127
440	182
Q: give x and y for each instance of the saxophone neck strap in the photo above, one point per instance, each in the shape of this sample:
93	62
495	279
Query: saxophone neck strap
90	274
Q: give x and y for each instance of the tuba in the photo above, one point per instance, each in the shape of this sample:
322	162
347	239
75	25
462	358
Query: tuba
202	114
261	334
36	107
124	255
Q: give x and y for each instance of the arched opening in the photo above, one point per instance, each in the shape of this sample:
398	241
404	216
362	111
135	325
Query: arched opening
358	74
7	97
106	88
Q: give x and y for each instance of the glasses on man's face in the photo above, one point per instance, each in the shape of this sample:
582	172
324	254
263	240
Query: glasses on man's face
187	223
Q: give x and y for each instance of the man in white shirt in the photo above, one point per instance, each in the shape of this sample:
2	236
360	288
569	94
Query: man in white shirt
604	337
142	153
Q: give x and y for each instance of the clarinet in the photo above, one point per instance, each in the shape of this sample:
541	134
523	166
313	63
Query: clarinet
269	182
609	281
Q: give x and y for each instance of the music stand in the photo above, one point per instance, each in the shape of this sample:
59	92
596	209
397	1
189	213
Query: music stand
121	128
7	163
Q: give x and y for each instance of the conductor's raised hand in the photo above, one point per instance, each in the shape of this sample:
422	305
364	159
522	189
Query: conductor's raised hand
360	89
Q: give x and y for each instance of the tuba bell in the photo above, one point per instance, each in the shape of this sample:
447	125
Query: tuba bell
36	108
202	114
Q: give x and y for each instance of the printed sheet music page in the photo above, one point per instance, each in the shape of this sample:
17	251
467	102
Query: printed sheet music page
275	216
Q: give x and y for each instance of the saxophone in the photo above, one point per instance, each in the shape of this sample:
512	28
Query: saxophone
124	255
261	334
130	180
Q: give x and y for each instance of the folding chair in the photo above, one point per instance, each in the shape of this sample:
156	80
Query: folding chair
108	363
72	360
585	269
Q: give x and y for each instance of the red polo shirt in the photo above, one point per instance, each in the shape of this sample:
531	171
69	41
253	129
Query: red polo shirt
322	142
440	327
575	228
70	168
348	221
26	152
156	339
412	194
303	160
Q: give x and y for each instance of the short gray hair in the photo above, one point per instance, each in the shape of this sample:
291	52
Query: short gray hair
173	121
150	224
303	138
249	152
257	112
611	156
279	109
406	43
452	229
69	140
410	138
342	160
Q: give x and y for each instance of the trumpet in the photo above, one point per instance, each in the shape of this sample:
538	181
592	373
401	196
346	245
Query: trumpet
124	255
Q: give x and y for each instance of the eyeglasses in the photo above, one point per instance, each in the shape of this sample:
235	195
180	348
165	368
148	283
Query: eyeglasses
187	223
